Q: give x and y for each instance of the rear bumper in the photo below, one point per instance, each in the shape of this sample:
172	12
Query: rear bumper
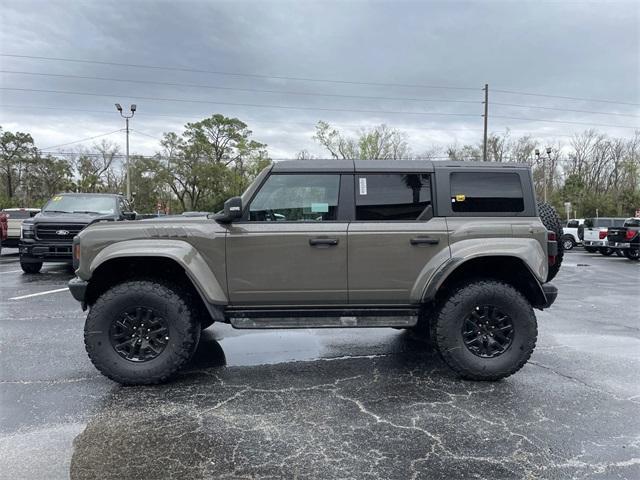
550	294
78	289
595	243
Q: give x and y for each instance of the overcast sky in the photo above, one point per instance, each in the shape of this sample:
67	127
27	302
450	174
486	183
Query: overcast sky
589	50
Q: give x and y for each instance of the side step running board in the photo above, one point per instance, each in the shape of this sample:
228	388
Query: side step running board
322	319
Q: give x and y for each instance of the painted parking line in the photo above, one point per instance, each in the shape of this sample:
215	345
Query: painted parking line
57	290
11	271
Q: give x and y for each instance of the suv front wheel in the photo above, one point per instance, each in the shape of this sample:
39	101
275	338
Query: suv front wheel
141	332
485	330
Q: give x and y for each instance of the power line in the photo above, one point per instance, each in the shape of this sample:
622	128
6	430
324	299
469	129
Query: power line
253	90
83	139
563	109
253	105
305	79
287	107
513	92
236	74
565	121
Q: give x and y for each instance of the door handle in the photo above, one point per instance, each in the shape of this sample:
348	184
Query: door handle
327	242
424	241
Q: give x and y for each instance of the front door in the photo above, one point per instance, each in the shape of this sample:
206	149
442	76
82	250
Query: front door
393	237
290	249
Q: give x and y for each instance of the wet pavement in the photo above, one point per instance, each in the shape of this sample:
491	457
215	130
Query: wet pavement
326	404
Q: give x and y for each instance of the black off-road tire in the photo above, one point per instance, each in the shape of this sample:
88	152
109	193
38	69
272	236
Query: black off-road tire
552	221
606	251
206	321
28	267
632	254
174	304
590	249
446	330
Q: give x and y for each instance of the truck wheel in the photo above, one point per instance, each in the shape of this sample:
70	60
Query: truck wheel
567	242
606	251
485	330
31	267
590	249
552	221
141	332
632	254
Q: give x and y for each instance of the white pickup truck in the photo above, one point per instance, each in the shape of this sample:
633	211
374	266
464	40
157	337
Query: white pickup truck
571	233
595	234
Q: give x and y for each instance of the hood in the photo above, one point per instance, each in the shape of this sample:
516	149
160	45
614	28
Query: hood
77	218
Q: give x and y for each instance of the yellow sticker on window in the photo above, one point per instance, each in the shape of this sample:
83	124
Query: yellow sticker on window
57	198
460	197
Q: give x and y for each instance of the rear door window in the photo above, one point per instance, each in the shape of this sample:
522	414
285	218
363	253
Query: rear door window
486	192
396	196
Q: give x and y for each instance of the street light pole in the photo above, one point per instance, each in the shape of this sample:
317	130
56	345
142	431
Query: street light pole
126	119
545	172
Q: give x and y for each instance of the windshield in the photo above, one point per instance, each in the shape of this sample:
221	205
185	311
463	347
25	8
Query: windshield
81	204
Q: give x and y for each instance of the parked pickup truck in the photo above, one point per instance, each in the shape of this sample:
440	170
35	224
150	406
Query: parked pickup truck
626	238
572	233
595	234
48	236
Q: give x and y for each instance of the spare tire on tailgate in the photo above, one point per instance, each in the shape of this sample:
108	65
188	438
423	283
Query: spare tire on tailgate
553	222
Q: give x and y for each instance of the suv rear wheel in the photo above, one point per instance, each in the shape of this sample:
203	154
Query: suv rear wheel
485	330
141	332
632	253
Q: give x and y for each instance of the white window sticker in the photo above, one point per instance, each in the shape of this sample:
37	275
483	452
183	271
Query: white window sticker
363	186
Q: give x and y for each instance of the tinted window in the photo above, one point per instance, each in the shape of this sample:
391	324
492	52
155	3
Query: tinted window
392	197
632	222
573	224
296	198
486	192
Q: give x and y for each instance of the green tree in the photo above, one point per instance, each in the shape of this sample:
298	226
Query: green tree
16	151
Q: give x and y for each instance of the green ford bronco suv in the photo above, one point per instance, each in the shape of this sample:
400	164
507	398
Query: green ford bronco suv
458	251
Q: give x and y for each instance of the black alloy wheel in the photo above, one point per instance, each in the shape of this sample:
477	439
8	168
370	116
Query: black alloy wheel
139	334
487	331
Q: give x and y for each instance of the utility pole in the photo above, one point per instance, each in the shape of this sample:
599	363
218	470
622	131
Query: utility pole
486	115
126	118
544	168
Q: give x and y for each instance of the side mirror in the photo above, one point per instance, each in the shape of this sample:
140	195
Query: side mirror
232	210
129	215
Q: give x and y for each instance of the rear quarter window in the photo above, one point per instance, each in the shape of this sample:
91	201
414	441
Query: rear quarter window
490	192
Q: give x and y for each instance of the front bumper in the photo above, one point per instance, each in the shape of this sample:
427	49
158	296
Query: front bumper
550	294
37	251
78	289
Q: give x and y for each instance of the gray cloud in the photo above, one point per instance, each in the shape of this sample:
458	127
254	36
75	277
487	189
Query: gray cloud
589	50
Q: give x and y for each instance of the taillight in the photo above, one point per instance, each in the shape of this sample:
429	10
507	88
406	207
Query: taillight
76	253
552	246
602	234
630	234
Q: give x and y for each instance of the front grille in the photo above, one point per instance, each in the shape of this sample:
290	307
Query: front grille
54	232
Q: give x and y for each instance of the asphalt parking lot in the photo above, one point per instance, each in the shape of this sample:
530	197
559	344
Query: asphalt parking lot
326	403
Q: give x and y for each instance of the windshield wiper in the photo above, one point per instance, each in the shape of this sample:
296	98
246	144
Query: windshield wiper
85	211
56	211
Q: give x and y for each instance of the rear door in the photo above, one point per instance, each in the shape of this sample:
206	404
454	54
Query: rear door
291	249
393	237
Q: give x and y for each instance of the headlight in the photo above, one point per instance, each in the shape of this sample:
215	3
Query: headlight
27	230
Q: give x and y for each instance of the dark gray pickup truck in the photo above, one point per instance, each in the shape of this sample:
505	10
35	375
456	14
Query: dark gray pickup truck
460	252
48	236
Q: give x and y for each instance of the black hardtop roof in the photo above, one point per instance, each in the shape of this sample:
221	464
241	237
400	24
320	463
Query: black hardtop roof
350	166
